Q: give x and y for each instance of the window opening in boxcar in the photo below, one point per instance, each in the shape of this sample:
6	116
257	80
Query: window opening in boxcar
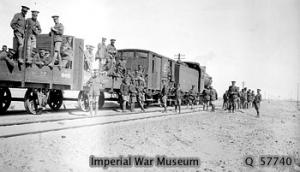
153	65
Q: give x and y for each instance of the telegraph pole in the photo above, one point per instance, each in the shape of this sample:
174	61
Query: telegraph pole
179	57
298	96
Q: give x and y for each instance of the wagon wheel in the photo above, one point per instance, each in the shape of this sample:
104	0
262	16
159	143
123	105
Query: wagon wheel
101	100
83	101
55	99
31	102
5	99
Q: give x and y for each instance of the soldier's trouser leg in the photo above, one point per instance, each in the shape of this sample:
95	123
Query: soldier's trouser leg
56	55
20	40
96	104
212	106
141	104
132	106
91	101
31	43
123	105
256	106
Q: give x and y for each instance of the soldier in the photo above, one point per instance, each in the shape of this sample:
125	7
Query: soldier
8	56
67	53
213	96
112	52
225	100
178	94
192	96
18	25
252	97
124	89
133	93
38	57
206	98
141	93
164	95
4	48
33	29
256	102
101	54
57	32
94	91
121	67
88	58
249	98
233	92
238	98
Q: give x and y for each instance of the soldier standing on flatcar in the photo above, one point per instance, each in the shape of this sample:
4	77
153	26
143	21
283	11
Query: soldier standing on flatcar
164	95
88	58
178	94
192	97
124	89
112	52
256	102
33	28
101	54
141	93
57	32
232	91
18	25
94	91
213	96
67	55
132	92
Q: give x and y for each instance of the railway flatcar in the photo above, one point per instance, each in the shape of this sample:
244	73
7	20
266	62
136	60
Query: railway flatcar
42	83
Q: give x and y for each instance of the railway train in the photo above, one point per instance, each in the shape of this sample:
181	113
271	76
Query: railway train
45	86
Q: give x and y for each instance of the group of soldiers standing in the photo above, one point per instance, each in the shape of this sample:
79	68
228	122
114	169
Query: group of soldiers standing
26	31
234	98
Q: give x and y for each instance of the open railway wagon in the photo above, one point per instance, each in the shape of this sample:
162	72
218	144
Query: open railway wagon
155	69
49	83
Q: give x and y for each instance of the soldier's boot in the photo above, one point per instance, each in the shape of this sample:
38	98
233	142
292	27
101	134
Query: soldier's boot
123	106
132	107
257	114
20	54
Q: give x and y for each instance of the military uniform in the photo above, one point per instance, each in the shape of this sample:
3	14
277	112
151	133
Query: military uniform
192	96
88	58
233	94
178	97
225	100
206	98
94	91
133	93
101	54
8	57
124	90
213	97
33	29
164	96
18	25
141	94
67	54
112	52
256	101
57	32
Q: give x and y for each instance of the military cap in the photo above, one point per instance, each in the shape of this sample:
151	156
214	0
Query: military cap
233	81
112	40
55	16
35	12
12	51
25	8
258	89
103	38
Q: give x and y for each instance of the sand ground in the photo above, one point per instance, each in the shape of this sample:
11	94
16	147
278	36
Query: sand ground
220	139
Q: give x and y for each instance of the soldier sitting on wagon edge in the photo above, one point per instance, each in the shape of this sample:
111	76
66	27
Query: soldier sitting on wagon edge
8	56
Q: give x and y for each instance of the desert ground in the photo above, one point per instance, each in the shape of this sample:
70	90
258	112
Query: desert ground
220	139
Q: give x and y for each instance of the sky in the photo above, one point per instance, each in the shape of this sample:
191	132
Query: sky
255	41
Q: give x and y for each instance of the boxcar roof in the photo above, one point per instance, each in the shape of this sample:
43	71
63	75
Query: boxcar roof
144	51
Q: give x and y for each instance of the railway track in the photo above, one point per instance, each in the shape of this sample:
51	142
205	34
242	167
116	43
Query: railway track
35	127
